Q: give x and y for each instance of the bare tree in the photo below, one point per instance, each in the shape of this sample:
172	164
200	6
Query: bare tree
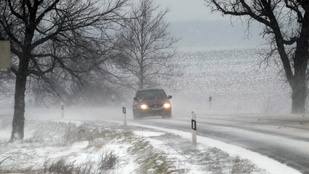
61	86
146	46
50	37
286	22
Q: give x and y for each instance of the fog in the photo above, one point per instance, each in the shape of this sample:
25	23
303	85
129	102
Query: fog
225	80
236	79
218	58
223	58
198	28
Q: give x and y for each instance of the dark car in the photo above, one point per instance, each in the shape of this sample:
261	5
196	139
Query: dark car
152	102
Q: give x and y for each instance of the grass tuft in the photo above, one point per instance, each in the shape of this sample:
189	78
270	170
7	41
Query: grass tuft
108	161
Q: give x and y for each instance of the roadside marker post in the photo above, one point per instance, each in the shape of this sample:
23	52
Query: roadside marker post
62	110
210	98
124	111
193	127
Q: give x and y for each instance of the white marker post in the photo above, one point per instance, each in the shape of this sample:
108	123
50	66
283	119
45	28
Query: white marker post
124	111
193	127
62	110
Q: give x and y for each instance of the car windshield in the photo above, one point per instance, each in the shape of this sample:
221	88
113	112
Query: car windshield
149	94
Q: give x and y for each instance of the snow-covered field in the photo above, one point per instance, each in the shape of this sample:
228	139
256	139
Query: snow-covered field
236	79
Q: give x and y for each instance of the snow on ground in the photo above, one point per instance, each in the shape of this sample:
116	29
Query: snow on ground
260	161
234	79
134	149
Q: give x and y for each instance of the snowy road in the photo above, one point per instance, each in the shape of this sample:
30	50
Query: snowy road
284	138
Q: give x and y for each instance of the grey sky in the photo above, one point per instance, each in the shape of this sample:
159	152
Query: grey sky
199	28
188	10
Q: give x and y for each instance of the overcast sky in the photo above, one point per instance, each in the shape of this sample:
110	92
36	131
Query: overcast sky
199	28
187	10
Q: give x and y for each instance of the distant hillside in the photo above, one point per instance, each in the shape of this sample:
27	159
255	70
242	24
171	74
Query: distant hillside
236	79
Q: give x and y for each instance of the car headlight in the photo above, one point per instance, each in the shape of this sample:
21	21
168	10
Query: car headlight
144	106
167	105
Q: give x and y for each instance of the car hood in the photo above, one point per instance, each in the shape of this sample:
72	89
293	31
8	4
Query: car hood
154	101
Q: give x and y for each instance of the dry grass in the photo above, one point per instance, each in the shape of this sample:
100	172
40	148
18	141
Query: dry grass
107	162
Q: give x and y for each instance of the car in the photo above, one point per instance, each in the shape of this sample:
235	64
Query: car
151	102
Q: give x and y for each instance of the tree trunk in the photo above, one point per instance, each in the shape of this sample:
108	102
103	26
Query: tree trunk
299	82
299	93
19	104
19	109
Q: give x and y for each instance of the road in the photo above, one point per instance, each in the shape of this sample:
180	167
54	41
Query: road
284	138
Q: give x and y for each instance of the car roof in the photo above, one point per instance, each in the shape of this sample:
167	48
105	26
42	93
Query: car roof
150	89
